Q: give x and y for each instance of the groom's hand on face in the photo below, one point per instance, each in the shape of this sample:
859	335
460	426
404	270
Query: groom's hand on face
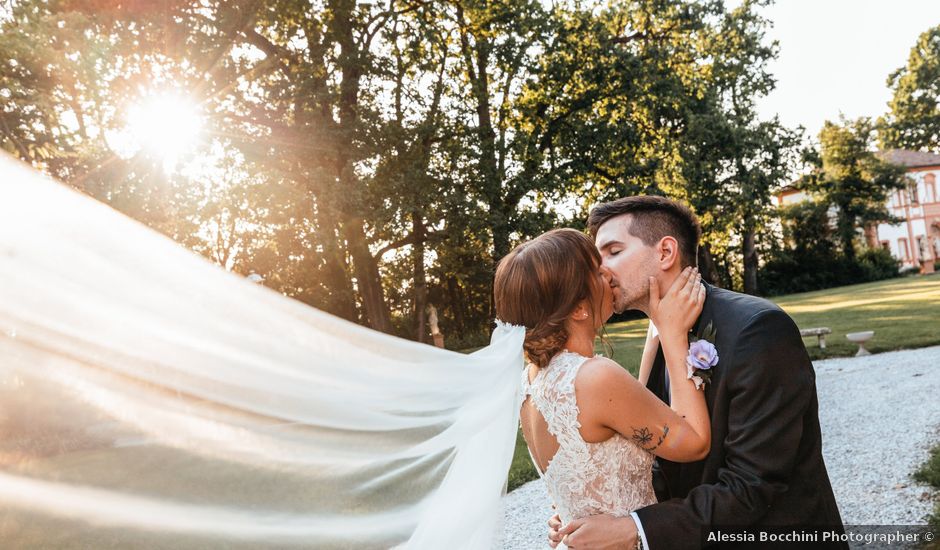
601	532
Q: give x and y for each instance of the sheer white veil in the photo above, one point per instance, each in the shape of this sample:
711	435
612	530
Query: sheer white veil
150	399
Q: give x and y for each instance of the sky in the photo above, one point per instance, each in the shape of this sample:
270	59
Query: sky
836	55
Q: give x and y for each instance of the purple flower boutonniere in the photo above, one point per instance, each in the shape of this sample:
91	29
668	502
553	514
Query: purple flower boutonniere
702	357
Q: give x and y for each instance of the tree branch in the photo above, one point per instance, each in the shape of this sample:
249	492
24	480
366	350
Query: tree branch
405	241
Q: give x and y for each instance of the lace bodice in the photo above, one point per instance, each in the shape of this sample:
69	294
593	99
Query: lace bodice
611	477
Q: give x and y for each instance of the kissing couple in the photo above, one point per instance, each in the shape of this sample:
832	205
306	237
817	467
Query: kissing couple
719	430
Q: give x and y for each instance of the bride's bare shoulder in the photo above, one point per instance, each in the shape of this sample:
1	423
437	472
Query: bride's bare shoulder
599	373
602	386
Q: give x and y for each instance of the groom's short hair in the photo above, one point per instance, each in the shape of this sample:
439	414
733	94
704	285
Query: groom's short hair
653	217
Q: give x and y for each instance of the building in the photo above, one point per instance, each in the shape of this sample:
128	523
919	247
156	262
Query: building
916	240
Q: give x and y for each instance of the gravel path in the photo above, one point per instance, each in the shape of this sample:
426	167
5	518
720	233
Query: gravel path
879	416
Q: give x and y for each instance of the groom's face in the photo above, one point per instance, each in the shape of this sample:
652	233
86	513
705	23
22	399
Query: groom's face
630	262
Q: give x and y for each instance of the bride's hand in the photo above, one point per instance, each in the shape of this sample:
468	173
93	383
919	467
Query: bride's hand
674	313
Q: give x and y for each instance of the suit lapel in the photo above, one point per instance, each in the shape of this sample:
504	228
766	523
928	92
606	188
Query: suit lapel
706	316
705	319
655	383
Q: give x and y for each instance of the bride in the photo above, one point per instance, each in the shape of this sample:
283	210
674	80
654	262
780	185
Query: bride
591	428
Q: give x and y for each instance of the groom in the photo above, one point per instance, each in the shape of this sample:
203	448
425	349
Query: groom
765	468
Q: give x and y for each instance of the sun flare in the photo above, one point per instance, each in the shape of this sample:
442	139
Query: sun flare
166	126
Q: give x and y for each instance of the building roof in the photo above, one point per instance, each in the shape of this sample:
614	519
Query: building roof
910	159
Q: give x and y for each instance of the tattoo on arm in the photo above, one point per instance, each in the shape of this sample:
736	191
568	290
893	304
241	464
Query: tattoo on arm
643	437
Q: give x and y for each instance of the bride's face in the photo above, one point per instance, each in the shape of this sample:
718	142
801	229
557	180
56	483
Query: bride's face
604	296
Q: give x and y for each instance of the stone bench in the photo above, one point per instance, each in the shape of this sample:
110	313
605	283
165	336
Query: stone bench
819	332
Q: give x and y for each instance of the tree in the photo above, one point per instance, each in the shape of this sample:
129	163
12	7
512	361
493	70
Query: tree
370	159
913	120
732	160
851	177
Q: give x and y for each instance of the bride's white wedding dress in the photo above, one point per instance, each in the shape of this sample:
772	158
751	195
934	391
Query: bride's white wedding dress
584	479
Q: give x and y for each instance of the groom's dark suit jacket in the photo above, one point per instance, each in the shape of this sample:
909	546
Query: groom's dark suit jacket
765	467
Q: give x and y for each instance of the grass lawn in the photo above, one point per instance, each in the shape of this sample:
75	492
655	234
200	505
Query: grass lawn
904	313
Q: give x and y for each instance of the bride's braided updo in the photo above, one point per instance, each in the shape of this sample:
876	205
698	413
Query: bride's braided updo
540	283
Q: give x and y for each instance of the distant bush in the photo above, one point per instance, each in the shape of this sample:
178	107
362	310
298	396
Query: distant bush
465	342
811	259
789	271
628	315
878	264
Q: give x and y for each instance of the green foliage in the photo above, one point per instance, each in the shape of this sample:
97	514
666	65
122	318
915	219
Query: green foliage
373	159
913	121
521	470
788	272
929	473
850	177
809	258
731	159
877	264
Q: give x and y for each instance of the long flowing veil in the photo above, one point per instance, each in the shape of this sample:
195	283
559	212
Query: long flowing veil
150	399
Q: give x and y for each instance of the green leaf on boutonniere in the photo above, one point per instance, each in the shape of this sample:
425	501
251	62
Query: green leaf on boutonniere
708	334
705	375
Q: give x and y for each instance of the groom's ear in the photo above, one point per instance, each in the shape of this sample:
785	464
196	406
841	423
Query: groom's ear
667	250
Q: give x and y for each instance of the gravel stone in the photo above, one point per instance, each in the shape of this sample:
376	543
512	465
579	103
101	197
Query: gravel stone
879	416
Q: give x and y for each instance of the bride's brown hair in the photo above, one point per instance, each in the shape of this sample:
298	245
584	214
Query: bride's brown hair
540	283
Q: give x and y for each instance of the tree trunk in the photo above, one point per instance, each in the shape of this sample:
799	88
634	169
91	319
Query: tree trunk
750	261
341	299
476	58
456	305
420	282
349	186
846	227
367	277
706	264
499	220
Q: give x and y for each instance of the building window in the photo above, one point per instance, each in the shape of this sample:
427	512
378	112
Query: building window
912	189
903	250
930	188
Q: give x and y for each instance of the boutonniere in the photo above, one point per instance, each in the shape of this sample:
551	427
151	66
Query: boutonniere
702	356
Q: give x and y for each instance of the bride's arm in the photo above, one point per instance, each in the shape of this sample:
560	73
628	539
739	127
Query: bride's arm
649	354
674	316
610	399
